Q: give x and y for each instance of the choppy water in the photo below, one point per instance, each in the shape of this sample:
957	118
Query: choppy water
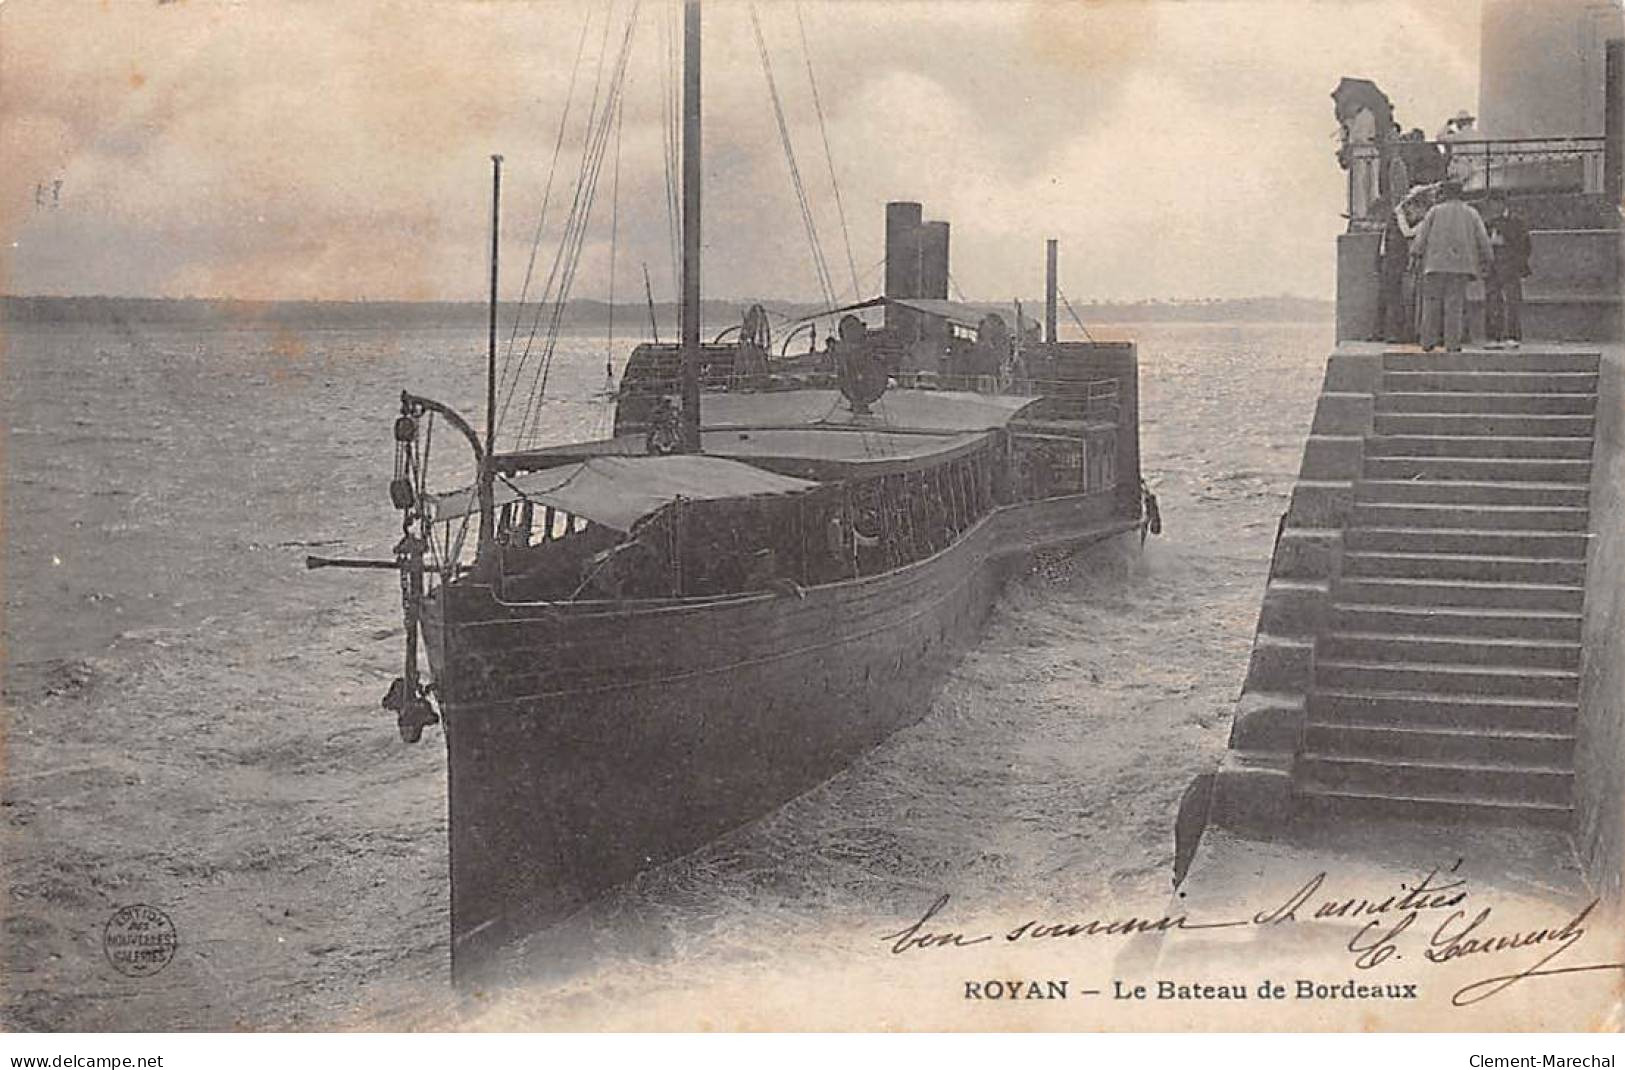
194	723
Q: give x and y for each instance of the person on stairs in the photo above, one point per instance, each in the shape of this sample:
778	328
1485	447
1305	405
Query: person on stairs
1452	248
1503	287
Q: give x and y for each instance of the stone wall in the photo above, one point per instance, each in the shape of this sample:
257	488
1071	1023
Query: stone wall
1600	747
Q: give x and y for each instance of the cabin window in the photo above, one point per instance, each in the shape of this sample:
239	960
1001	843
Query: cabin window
515	524
1101	460
459	542
718	548
739	546
561	569
1053	465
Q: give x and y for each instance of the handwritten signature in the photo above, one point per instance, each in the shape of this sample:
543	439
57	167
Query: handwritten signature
1455	937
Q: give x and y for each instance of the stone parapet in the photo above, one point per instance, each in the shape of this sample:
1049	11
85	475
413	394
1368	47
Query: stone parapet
1357	285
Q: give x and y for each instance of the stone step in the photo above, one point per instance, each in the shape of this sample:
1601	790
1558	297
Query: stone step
1482	382
1490	594
1470	517
1441	445
1484	423
1316	801
1555	684
1460	650
1465	567
1437	710
1530	358
1412	778
1567	545
1478	746
1470	492
1479	469
1377	619
1497	402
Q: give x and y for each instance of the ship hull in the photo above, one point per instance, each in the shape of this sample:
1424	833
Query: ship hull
589	742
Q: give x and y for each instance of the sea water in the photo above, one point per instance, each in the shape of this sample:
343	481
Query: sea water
194	719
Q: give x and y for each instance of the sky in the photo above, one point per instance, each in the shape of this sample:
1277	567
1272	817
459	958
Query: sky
340	150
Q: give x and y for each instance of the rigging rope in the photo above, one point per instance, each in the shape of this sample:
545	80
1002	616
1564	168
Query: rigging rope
829	157
510	382
547	189
820	265
614	237
1065	300
592	165
606	410
567	260
670	138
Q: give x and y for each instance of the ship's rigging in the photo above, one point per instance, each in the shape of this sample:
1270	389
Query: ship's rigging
527	365
540	315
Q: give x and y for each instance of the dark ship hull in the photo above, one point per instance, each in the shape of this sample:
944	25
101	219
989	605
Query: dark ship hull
590	741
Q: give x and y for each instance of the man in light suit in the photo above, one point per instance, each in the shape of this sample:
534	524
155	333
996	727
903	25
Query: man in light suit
1452	248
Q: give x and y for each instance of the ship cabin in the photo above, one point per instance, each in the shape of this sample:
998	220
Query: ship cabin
790	491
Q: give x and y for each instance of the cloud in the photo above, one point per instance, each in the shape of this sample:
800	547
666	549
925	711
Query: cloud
340	150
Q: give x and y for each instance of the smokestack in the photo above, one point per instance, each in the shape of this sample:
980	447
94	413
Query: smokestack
934	259
903	249
1051	286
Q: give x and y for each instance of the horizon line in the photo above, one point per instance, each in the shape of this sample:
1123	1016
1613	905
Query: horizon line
203	299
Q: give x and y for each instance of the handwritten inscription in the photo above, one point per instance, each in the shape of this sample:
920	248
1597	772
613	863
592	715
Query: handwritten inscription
1407	918
915	935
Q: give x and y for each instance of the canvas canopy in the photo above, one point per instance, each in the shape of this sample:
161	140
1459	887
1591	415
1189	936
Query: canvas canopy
619	491
824	453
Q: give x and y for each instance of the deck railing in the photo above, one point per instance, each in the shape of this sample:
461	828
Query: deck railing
1095	399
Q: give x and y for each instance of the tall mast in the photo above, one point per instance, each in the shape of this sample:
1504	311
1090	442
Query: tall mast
491	347
690	315
487	480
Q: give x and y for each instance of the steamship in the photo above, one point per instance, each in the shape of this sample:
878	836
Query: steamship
766	569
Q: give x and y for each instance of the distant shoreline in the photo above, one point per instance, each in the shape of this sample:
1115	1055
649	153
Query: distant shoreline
308	315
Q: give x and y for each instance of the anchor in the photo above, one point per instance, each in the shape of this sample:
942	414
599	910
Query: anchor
412	700
407	696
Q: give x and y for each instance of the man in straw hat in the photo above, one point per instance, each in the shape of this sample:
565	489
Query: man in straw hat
1459	164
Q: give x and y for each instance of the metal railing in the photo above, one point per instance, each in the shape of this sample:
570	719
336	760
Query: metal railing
1095	397
1529	165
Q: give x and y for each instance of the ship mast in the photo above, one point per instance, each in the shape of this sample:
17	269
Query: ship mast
487	532
690	314
491	337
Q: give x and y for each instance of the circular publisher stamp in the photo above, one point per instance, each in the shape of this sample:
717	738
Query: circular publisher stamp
139	940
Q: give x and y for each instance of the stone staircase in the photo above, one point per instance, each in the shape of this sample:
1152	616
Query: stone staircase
1446	672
